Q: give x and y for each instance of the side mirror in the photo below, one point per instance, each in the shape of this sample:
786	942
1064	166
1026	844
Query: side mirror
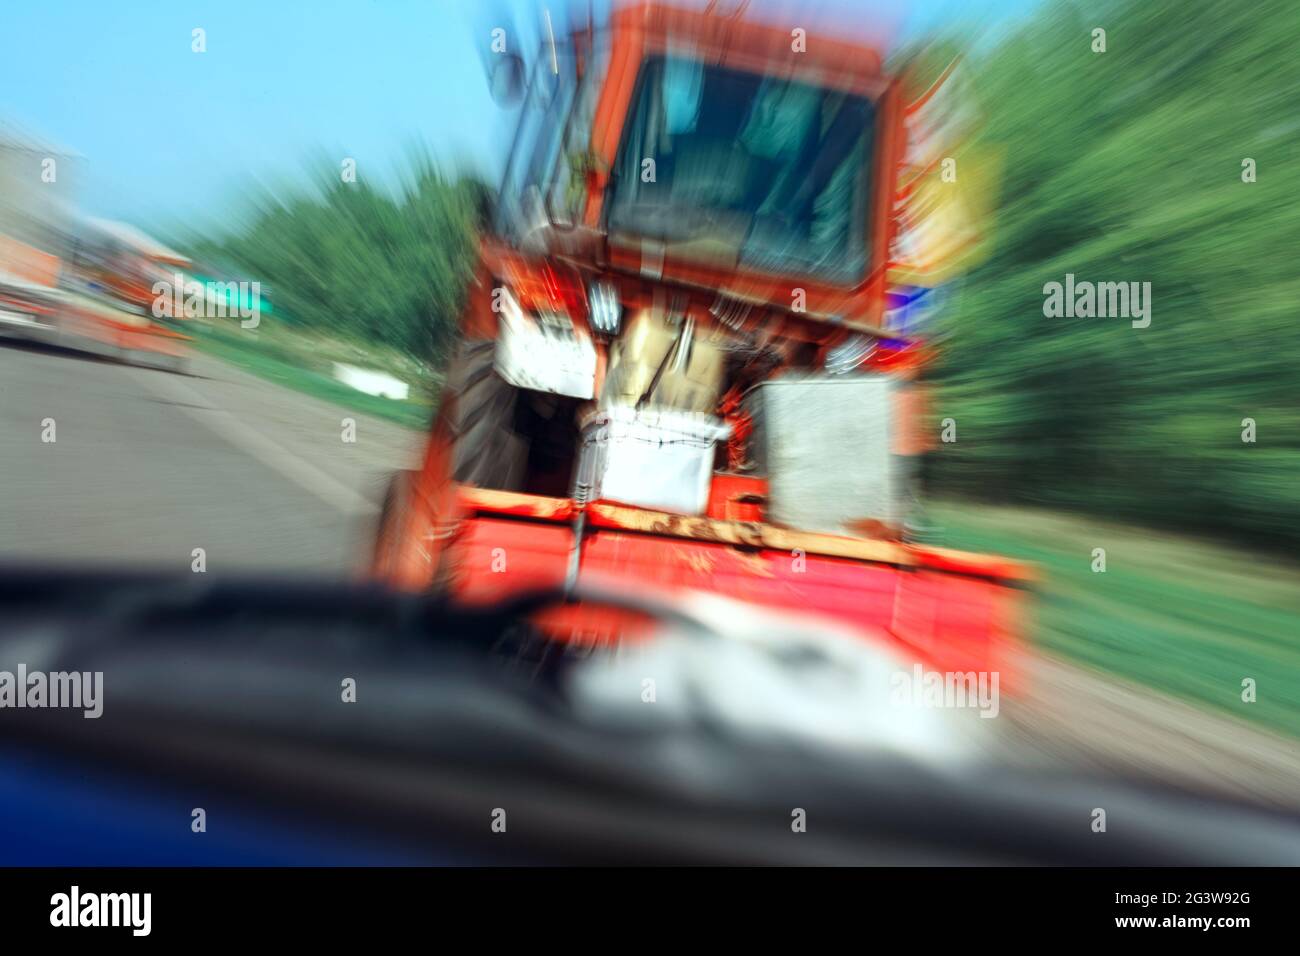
506	81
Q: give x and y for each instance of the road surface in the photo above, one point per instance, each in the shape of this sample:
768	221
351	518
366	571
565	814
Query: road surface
147	465
1069	716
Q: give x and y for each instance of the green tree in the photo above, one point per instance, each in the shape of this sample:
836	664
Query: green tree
1127	166
360	263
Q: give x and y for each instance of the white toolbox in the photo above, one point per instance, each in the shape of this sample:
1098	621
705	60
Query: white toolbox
653	458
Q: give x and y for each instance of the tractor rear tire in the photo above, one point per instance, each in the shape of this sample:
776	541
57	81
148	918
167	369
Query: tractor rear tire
488	453
387	540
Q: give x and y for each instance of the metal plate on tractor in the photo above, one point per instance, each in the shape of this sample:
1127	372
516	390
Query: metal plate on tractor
825	443
545	355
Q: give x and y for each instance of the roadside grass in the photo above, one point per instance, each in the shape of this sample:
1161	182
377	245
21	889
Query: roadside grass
1189	617
303	363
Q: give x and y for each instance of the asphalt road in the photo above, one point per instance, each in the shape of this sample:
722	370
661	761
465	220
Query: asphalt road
148	465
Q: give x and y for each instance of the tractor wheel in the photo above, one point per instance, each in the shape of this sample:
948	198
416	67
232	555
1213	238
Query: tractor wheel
489	453
403	555
387	543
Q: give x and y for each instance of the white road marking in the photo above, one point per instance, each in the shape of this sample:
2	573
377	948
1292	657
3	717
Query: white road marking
249	440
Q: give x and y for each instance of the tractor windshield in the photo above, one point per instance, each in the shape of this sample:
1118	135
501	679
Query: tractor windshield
746	170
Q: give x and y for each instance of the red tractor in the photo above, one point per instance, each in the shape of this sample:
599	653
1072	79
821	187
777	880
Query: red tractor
678	366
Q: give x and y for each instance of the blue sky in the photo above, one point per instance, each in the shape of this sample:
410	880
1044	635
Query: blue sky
170	139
